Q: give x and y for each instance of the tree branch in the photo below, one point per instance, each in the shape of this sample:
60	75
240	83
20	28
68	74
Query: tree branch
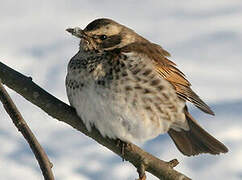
63	112
22	126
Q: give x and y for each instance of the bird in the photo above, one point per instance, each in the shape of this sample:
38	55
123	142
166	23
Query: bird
128	88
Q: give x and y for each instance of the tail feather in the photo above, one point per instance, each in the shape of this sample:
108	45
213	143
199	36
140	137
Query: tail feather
196	140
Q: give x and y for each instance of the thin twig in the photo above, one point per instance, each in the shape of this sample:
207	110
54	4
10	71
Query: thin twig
61	111
22	126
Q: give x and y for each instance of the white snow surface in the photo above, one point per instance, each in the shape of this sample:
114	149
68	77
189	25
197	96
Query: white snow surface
205	40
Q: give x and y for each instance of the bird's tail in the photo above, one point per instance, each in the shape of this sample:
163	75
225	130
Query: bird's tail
196	140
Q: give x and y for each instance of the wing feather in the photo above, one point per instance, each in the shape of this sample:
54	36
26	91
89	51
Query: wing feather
168	70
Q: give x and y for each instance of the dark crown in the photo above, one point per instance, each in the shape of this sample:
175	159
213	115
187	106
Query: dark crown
96	24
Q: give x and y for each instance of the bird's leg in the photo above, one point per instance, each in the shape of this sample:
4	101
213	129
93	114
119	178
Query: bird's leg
122	144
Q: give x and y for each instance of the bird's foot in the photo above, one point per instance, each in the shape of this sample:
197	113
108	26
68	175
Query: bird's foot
122	145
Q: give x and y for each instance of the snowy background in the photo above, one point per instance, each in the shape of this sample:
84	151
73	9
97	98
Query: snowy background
205	40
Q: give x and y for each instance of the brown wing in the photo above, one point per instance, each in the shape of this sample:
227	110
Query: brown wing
167	69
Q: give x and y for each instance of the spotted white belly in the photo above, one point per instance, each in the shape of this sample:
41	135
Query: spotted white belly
117	117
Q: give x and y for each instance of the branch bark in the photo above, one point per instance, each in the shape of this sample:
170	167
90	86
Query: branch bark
24	86
19	122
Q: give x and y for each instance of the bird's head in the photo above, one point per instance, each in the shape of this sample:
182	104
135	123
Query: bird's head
105	34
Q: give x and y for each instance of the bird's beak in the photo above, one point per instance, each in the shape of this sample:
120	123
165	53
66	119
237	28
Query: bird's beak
78	32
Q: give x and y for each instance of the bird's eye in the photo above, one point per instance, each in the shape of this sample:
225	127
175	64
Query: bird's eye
103	37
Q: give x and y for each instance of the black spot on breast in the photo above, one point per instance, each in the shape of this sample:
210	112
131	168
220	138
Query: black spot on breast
136	71
137	87
137	78
124	73
148	108
122	63
110	72
128	88
155	82
147	72
101	82
146	91
124	57
159	88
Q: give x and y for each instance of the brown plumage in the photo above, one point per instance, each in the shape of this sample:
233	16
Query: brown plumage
196	140
115	40
166	68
